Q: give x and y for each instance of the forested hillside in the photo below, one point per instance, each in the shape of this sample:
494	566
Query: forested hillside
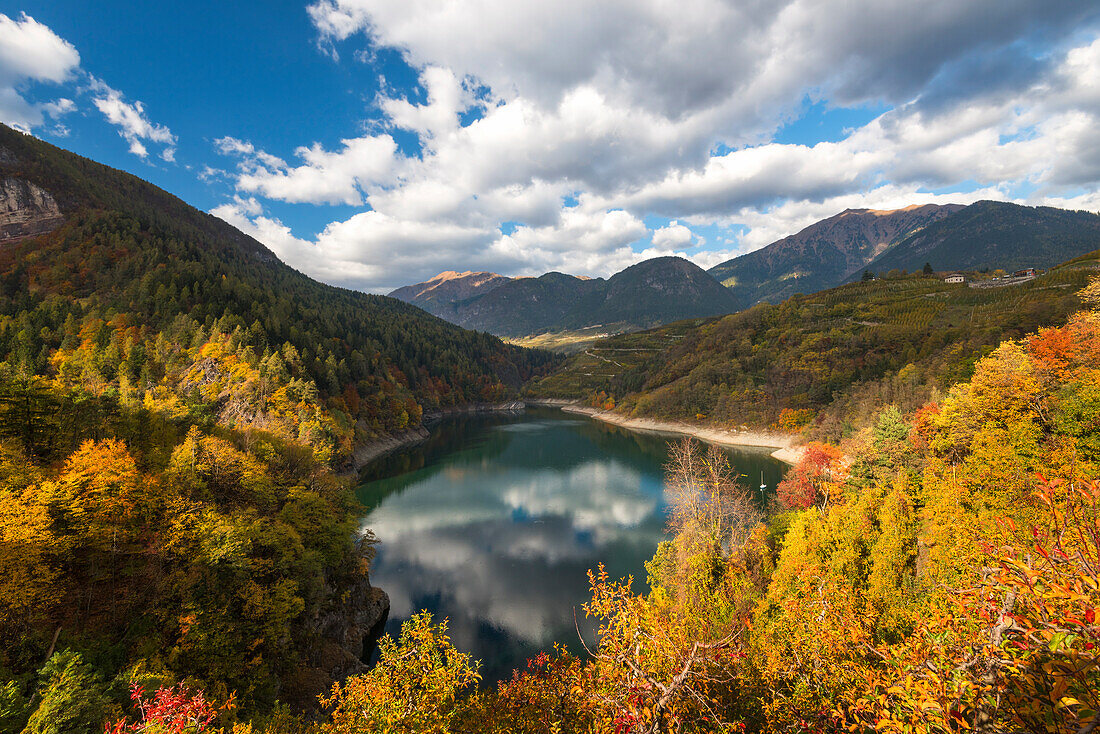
934	572
823	361
140	295
173	402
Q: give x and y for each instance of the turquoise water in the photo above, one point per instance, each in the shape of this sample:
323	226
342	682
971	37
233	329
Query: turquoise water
494	521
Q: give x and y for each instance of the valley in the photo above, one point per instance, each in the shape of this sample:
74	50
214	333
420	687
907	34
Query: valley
221	478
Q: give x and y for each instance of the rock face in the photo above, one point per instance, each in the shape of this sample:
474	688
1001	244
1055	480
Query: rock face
344	636
26	211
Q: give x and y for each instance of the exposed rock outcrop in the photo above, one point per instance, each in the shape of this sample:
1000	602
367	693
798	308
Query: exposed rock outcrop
344	638
26	211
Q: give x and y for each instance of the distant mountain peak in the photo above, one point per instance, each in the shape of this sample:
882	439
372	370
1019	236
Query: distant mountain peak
648	293
825	253
454	274
449	286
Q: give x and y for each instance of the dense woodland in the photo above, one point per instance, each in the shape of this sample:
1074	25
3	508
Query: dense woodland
173	404
822	363
934	572
178	555
137	287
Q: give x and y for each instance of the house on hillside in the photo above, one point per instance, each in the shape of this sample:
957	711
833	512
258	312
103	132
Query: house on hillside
1025	273
955	278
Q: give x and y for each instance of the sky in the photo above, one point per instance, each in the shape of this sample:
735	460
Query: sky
375	143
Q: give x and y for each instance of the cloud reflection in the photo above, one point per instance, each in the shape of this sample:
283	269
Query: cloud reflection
498	532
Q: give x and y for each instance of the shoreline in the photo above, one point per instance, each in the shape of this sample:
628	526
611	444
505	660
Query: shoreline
366	453
783	444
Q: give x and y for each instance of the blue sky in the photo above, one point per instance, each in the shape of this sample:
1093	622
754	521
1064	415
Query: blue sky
372	143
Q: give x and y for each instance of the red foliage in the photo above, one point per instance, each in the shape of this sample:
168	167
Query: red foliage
923	426
174	710
806	484
1058	351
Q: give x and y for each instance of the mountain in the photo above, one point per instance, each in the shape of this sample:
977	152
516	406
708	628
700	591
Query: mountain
825	357
823	255
525	305
986	234
992	235
657	291
93	250
437	296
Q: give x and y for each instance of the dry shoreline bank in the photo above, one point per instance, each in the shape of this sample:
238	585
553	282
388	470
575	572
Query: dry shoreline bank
785	449
783	444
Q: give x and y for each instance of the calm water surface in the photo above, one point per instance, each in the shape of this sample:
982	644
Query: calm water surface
494	521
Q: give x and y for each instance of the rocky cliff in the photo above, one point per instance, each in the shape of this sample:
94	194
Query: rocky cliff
26	210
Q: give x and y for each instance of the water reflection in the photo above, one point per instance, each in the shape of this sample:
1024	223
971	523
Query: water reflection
494	521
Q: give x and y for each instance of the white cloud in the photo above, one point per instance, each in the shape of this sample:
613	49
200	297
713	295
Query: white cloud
325	177
30	51
677	58
673	235
599	114
132	123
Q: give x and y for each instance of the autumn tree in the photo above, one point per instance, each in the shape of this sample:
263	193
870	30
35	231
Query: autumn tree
812	480
169	710
708	501
414	688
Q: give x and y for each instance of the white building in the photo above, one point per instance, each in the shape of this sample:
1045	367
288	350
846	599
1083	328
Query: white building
955	278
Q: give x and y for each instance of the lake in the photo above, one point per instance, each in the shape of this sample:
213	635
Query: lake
494	521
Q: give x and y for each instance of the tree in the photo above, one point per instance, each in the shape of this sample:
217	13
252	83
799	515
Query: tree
809	483
170	710
71	698
928	269
413	688
709	505
868	275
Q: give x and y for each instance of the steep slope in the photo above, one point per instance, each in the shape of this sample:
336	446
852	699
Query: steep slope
439	294
134	267
995	234
657	291
824	254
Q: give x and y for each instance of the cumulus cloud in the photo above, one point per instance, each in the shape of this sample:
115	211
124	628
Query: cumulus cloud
672	235
31	52
678	57
132	123
548	131
325	177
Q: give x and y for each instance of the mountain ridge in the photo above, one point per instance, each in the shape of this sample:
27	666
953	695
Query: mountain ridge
824	254
128	249
650	293
995	234
838	249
